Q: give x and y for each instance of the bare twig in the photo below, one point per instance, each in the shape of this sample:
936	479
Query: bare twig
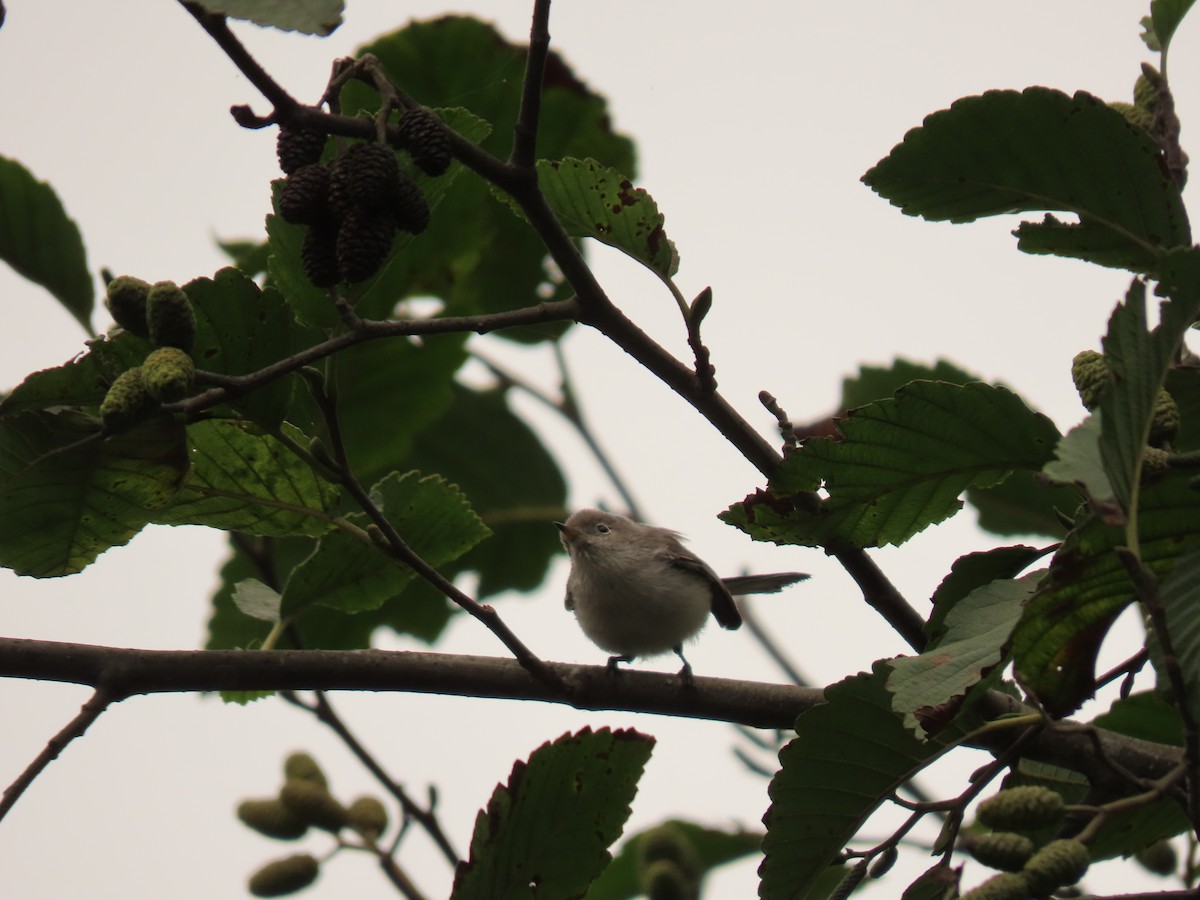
101	700
524	149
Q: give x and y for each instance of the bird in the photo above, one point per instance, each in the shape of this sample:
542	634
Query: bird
637	591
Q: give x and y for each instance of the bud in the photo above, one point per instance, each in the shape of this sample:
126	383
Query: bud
1159	858
408	206
170	317
127	401
1056	865
285	876
662	880
1090	374
1145	89
271	818
127	303
363	243
1134	114
313	803
363	177
318	255
368	816
168	373
1164	421
1021	809
1005	886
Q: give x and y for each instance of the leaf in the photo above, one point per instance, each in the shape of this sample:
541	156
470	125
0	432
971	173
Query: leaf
928	689
547	831
241	329
1179	595
879	383
1039	149
1077	461
972	571
1137	360
319	17
256	600
596	201
1063	624
1024	504
1089	241
849	754
83	381
706	848
900	465
350	574
246	481
42	243
1165	17
251	258
66	495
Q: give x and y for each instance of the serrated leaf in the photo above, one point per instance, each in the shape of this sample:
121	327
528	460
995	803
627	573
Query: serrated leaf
1024	504
319	17
900	465
1039	149
352	575
879	382
972	571
1090	241
1137	360
66	495
241	329
83	381
928	689
243	480
1179	595
42	243
547	831
596	201
1077	461
1055	644
849	754
706	847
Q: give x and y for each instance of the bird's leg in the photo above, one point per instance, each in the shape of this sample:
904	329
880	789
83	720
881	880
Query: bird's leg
686	672
613	660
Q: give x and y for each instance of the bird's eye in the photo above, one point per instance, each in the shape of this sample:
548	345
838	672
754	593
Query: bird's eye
602	529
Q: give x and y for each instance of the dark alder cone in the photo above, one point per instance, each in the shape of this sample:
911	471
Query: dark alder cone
298	147
363	177
318	255
363	242
408	205
303	200
421	134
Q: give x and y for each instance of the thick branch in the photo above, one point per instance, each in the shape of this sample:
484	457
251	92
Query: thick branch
127	672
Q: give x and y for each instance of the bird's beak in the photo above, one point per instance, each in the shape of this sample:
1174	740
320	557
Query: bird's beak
565	532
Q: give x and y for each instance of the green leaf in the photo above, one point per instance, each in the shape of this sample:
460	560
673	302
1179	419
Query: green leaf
1165	17
518	511
706	847
1077	461
1147	716
1137	360
1055	644
349	573
83	381
928	689
242	480
879	383
319	17
241	329
1039	149
251	258
972	571
547	831
256	600
938	882
1089	241
42	243
596	201
849	754
66	495
1179	595
1023	504
900	465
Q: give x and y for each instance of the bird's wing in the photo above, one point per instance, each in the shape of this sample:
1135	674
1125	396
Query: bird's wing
724	609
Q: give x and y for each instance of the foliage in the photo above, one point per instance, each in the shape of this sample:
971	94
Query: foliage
332	434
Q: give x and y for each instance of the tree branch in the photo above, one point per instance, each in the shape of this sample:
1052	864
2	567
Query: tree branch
524	150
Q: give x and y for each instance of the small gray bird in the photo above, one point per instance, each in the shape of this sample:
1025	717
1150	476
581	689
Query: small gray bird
637	591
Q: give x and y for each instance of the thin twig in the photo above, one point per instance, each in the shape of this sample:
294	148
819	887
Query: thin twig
101	700
525	132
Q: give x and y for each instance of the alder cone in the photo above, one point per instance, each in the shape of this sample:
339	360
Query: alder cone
363	242
298	147
408	206
363	177
318	255
305	195
422	135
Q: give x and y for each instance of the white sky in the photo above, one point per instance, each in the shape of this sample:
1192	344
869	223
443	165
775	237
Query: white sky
754	123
